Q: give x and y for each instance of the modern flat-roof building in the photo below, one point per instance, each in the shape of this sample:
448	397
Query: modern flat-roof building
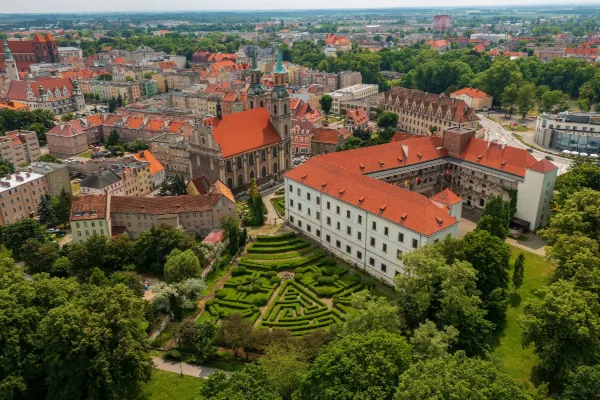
20	147
573	131
57	176
20	194
370	205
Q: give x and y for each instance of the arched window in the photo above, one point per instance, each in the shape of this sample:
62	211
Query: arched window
296	149
230	183
275	109
252	174
263	155
203	139
251	159
264	172
228	166
240	181
238	162
251	104
285	129
275	168
285	109
274	151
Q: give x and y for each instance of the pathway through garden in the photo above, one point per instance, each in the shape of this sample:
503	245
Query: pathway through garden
273	298
185	368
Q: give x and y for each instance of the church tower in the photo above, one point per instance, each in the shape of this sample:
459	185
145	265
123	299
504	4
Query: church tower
280	102
256	96
78	99
10	66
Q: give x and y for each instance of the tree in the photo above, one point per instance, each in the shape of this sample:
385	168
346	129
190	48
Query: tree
388	119
372	313
61	267
112	105
130	279
526	98
518	272
151	248
38	256
113	138
429	342
46	211
173	187
6	168
40	130
98	278
14	235
583	384
365	366
181	266
554	99
457	377
178	298
326	102
197	339
94	347
563	328
495	217
66	117
62	206
50	158
285	364
251	383
234	333
256	205
231	228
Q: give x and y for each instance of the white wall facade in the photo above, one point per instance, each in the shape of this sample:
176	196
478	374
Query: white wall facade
359	237
534	197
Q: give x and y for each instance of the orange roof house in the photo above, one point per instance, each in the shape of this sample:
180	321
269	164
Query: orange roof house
155	166
474	98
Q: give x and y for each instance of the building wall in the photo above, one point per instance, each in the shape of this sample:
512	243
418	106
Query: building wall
534	197
420	123
114	189
83	230
57	181
67	145
22	200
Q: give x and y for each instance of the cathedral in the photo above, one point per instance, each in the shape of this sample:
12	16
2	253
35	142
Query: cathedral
252	144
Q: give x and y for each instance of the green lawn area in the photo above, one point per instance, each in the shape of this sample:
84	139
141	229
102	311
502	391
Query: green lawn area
279	204
75	187
508	350
85	154
170	386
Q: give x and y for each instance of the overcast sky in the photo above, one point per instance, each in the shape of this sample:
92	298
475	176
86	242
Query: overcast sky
45	6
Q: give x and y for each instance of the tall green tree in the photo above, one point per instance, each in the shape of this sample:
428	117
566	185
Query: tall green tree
14	235
235	333
181	266
518	272
197	339
429	342
113	139
387	119
372	313
326	101
151	248
286	364
251	383
45	211
39	256
583	384
495	217
526	99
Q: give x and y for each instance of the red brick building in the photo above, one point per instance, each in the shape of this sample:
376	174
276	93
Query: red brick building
40	49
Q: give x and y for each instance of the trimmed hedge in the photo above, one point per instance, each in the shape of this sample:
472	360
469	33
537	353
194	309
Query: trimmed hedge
263	238
282	249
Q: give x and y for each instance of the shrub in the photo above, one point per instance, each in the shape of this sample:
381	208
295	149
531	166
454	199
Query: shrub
298	276
322	280
235	271
241	288
327	261
215	301
220	294
336	277
173	354
301	269
324	292
260	301
317	275
271	273
255	288
209	303
275	279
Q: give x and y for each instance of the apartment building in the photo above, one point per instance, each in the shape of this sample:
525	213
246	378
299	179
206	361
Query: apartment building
90	215
103	182
173	152
20	147
20	194
572	131
157	170
135	175
356	92
56	175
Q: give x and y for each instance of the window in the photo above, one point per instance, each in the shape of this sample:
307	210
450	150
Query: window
384	248
299	206
318	200
374	226
291	189
383	268
308	227
398	253
307	196
359	255
348	214
385	231
360	219
359	235
318	233
372	242
348	250
372	261
299	223
299	192
318	216
337	210
338	226
291	218
328	220
328	238
328	205
415	243
308	211
291	203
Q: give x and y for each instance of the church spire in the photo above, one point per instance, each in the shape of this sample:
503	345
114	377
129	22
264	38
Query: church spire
254	62
7	53
279	66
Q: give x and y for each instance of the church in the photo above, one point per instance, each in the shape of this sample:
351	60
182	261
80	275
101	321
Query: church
252	144
40	49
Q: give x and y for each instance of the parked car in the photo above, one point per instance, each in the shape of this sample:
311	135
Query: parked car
549	158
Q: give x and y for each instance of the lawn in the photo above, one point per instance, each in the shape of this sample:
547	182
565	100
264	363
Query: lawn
85	154
170	386
518	361
279	204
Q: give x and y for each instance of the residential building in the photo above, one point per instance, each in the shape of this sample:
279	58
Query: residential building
357	120
424	113
441	23
572	131
104	182
70	138
31	51
263	56
340	43
58	95
356	92
56	175
20	194
149	87
20	147
173	152
181	79
327	140
199	185
71	55
474	98
440	46
135	175
490	37
157	170
302	132
370	205
90	215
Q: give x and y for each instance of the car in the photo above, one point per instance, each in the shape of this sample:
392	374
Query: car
52	230
530	150
549	158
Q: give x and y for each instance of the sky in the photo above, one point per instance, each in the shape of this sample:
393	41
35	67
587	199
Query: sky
58	6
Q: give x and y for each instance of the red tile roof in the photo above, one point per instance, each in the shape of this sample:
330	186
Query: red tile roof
471	92
326	136
72	128
243	131
359	116
543	166
409	209
155	165
163	205
220	187
18	89
88	207
438	43
38	38
400	136
509	159
447	197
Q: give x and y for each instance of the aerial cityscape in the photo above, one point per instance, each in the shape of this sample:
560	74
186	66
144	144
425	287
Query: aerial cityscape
300	201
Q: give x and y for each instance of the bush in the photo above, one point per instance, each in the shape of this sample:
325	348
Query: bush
173	354
271	273
255	288
301	269
260	301
220	294
322	280
327	261
298	276
336	277
241	270
324	292
275	279
209	303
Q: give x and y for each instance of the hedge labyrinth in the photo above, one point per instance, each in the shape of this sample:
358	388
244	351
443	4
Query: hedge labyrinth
315	295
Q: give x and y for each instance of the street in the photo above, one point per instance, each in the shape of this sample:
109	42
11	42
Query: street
497	132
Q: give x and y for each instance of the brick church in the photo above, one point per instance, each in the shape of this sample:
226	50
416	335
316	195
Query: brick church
40	49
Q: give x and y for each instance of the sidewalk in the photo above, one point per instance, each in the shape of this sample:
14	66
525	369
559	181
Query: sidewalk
185	368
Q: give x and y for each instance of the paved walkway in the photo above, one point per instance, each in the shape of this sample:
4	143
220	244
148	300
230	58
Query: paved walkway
185	368
272	216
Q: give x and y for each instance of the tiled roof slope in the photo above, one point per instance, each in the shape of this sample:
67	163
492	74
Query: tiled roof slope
163	205
409	209
471	92
88	207
447	197
155	165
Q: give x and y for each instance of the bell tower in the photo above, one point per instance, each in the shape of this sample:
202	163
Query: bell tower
256	96
10	65
280	102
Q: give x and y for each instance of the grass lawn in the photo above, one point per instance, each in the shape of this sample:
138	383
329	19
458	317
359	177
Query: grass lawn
507	347
85	154
279	204
170	386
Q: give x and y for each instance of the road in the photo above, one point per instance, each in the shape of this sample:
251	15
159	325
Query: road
497	132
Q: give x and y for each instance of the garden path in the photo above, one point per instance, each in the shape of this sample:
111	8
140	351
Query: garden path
218	285
185	368
273	298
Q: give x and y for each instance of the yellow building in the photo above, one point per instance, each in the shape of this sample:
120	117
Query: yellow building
90	215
